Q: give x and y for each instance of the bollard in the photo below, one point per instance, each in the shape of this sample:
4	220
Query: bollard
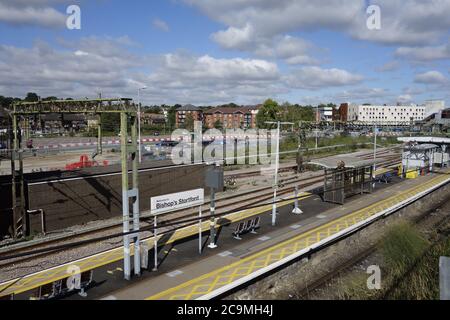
296	209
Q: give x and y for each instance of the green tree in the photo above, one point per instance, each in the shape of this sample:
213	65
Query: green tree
218	124
50	98
171	116
110	122
270	111
31	97
189	122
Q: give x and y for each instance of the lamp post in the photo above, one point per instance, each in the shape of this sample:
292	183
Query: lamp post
139	121
277	164
374	146
317	126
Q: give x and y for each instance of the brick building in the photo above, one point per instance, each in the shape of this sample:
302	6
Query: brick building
184	111
231	117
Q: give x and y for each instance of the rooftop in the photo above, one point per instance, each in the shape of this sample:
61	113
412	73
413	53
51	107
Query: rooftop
439	140
188	107
333	162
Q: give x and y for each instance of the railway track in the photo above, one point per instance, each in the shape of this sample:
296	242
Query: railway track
234	202
305	293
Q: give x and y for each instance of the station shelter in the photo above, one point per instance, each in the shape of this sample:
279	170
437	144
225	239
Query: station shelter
345	176
421	154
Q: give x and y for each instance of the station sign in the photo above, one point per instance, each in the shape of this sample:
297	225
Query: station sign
177	201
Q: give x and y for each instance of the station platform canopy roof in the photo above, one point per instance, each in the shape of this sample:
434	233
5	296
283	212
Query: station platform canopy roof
422	147
334	162
436	140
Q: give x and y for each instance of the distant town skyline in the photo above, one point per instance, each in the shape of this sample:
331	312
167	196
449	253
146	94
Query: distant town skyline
216	52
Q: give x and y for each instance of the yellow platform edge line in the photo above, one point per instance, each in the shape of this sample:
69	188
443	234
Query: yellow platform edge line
306	234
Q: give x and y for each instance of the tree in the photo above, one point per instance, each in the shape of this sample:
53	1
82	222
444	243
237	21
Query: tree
268	112
218	124
110	122
50	98
171	116
189	122
31	97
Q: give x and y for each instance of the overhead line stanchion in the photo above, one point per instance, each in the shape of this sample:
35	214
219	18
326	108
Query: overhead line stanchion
125	203
155	243
134	194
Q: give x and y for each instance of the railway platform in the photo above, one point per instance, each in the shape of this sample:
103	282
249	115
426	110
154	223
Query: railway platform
183	273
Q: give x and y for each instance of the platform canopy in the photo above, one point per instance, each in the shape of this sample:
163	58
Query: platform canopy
335	162
438	140
422	147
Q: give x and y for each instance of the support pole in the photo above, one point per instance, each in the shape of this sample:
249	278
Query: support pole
374	147
212	222
155	244
99	135
125	199
200	229
277	159
136	212
13	175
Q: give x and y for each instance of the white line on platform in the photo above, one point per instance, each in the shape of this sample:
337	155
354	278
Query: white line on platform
225	254
174	273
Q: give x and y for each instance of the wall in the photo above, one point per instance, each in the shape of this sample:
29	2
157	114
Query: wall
73	198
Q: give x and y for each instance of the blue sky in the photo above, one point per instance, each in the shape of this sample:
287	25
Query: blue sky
213	52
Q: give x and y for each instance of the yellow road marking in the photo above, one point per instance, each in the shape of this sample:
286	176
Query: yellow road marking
41	278
209	282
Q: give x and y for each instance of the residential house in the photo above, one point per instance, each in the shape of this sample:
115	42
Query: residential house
231	117
185	111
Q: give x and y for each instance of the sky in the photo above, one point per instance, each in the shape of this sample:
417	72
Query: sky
210	52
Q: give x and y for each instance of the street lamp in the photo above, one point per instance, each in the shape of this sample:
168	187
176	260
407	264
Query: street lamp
277	160
139	122
374	147
317	126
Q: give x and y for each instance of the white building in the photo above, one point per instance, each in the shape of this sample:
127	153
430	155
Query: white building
382	114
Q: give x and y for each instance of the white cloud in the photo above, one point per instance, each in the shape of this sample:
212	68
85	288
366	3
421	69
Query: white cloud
413	22
105	65
427	53
235	38
161	25
33	13
405	98
316	78
430	77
